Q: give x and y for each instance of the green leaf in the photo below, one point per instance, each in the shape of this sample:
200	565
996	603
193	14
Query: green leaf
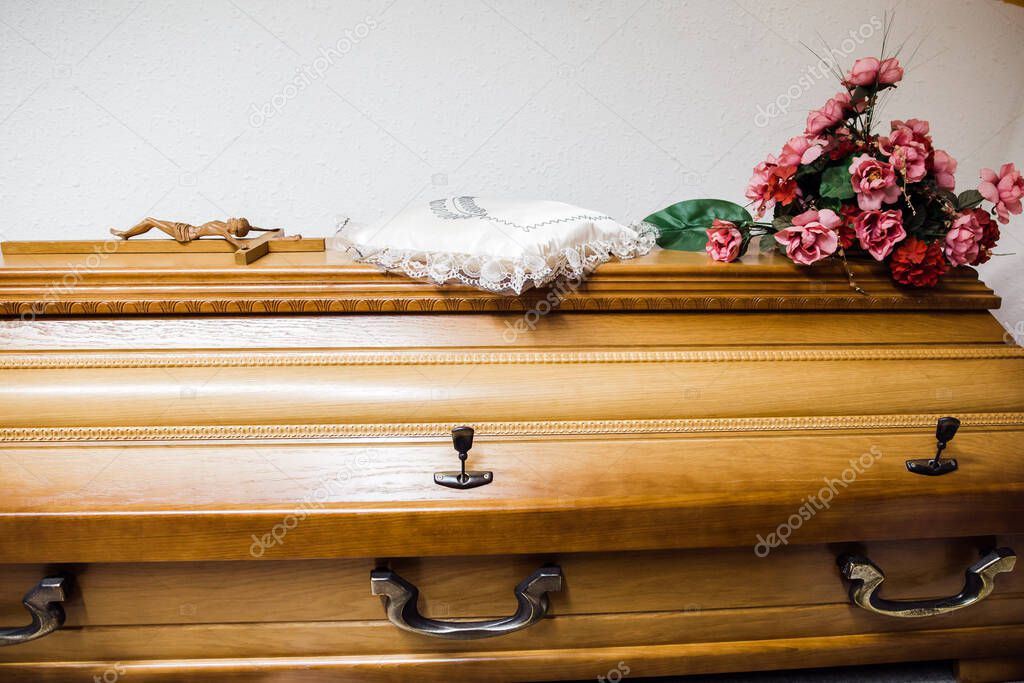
859	94
913	221
968	199
814	167
767	244
781	222
835	181
684	225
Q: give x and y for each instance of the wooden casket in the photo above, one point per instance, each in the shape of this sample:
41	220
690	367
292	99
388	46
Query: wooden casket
249	473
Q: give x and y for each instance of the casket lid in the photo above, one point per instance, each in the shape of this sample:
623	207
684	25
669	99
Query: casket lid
159	277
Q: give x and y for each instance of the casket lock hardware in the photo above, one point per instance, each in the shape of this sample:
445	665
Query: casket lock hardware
944	433
462	438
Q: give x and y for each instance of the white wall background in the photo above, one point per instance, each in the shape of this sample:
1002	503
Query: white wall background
117	109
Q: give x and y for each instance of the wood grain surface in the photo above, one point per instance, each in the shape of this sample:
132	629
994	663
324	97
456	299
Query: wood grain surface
110	281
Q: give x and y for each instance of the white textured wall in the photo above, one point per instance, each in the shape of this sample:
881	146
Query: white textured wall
113	110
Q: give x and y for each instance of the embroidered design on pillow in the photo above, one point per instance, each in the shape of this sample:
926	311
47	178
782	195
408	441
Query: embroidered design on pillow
461	207
498	245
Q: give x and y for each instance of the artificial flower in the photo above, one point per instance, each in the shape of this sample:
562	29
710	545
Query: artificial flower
919	127
944	168
724	241
879	232
874	182
917	263
963	239
890	72
812	236
906	154
989	235
864	72
757	186
1004	189
846	230
868	71
831	113
772	184
801	150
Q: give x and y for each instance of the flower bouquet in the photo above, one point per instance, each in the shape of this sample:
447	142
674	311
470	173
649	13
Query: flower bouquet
840	188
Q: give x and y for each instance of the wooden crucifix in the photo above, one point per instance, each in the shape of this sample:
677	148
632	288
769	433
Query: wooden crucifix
233	230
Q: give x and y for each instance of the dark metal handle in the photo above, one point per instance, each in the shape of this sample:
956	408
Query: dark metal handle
462	439
866	578
43	603
399	598
945	430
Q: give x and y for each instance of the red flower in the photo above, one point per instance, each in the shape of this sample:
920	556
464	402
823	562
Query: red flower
917	263
847	233
989	236
782	185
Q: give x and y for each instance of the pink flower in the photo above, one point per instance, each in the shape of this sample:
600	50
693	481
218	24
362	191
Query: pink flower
803	149
906	154
879	232
890	71
869	71
919	127
772	184
944	166
1004	190
990	235
812	237
963	240
864	72
829	115
724	241
874	182
757	186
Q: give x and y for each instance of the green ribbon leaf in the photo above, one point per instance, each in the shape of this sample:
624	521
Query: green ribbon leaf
835	181
684	225
968	199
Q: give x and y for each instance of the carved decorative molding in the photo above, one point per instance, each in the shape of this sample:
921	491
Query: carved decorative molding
487	304
68	279
536	428
176	359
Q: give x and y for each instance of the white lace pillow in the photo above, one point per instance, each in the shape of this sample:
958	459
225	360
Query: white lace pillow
499	245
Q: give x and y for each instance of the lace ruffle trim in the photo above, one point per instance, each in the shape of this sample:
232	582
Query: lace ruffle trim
505	276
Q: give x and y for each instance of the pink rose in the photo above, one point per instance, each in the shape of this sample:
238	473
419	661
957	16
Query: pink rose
803	149
864	72
919	127
874	182
869	71
879	232
1004	190
963	240
944	166
890	71
812	237
724	241
829	115
906	154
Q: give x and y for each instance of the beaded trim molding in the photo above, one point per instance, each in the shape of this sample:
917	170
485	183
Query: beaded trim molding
174	359
605	428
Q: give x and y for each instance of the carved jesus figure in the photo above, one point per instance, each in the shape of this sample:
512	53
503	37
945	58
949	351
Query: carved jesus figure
232	230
